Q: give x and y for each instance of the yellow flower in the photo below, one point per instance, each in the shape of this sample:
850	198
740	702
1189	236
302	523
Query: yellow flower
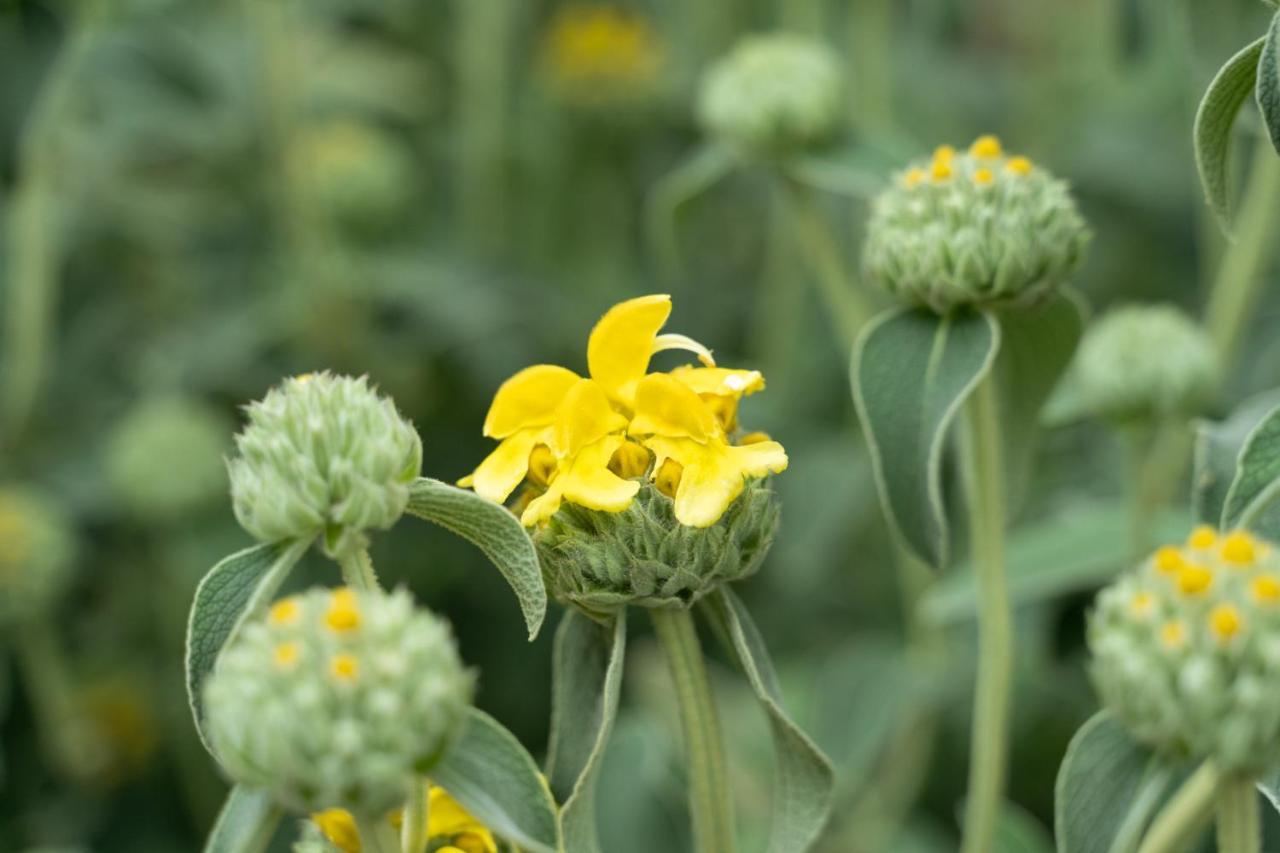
344	667
986	147
1239	548
1225	622
1202	537
447	821
1019	166
595	54
344	612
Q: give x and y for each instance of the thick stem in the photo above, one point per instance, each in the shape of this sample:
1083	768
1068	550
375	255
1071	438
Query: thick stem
984	484
1182	819
377	835
413	832
357	568
1239	824
704	748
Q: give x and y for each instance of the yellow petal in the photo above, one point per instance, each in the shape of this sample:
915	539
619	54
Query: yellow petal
621	343
543	506
504	468
585	416
446	817
714	473
667	407
588	482
721	381
671	340
340	828
528	399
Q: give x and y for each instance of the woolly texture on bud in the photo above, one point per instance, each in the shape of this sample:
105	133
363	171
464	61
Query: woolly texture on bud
773	94
323	454
163	459
973	228
1186	650
37	550
643	555
1144	361
336	698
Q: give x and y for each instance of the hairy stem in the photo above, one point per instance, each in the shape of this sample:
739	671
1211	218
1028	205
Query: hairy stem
413	832
357	568
1239	824
1182	819
704	748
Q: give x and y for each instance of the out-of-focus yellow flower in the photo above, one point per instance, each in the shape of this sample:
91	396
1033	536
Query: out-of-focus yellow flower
448	823
594	55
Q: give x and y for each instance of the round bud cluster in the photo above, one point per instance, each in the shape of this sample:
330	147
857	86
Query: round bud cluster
323	454
1186	650
973	228
773	94
643	555
1144	361
37	551
163	459
336	699
362	173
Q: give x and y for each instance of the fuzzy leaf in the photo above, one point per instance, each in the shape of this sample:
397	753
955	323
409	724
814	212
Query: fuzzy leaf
494	530
1214	120
586	678
912	371
496	779
803	777
1268	83
1217	453
229	594
246	823
1256	486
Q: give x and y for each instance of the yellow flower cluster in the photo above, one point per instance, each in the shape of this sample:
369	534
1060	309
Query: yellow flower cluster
985	160
599	53
341	617
449	826
589	441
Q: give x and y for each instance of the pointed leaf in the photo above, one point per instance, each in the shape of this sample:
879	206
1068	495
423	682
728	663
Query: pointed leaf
803	777
495	778
247	822
586	678
1214	120
1254	491
494	530
1217	452
1268	83
912	371
233	591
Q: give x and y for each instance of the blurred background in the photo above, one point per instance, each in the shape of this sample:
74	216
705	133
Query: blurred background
199	198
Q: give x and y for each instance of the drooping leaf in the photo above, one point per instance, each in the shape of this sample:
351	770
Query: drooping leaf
836	176
1268	83
1253	493
248	820
1217	452
912	371
1214	120
230	593
495	531
586	678
803	777
495	778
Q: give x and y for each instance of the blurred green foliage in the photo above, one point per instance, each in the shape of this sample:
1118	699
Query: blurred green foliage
199	198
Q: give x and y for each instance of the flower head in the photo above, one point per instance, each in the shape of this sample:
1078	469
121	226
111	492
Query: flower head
334	699
37	551
977	227
595	55
449	826
1186	650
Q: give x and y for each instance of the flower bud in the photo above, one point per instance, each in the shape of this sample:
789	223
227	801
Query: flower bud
323	454
37	550
1183	650
973	228
1144	361
773	95
336	699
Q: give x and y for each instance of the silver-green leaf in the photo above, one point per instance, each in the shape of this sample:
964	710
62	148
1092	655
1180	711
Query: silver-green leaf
495	531
1214	120
1268	84
246	824
1256	486
1217	452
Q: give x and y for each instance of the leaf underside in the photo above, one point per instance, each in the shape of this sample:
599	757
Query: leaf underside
1268	82
1214	120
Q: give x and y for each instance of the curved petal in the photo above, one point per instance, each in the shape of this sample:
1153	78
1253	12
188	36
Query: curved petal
760	458
714	473
528	399
667	407
621	343
721	381
504	468
585	416
672	340
590	483
543	506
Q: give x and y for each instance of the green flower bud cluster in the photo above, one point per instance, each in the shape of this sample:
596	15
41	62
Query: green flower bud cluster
336	699
37	551
162	459
973	228
1186	650
1144	361
643	555
773	94
323	454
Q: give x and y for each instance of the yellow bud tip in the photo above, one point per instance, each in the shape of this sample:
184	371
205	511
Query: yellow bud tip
914	177
344	611
1238	547
940	170
284	612
1225	622
344	667
1172	634
303	378
983	177
1019	166
943	154
286	654
1266	588
1168	560
1202	537
1193	580
986	147
1142	604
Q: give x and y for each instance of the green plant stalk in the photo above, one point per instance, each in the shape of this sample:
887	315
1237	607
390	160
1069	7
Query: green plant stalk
63	736
709	802
1145	801
413	832
484	36
357	568
376	834
870	35
1239	824
984	484
1182	819
1140	443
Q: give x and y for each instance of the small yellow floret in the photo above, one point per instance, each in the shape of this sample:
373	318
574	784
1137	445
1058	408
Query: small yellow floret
1202	537
344	667
344	611
940	170
303	378
1172	634
1142	604
1169	560
667	480
1266	588
1225	622
284	612
914	177
1019	166
286	654
1238	547
943	154
983	177
1193	580
986	147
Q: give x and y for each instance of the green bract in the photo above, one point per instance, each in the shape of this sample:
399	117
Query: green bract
323	454
336	699
1145	361
973	228
1187	651
773	94
37	547
643	555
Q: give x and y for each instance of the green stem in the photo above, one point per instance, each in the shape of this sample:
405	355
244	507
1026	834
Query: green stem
708	772
357	568
63	733
984	484
484	36
377	835
1182	819
1138	443
1239	824
414	834
1145	800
